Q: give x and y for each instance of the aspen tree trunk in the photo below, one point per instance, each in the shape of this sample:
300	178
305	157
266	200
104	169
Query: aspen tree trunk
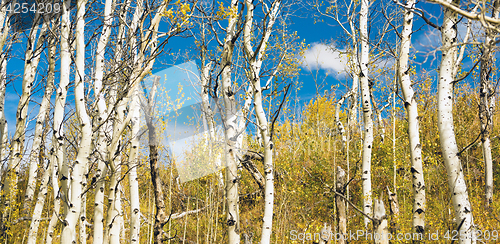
411	106
135	208
486	106
57	152
32	57
39	127
456	180
381	232
57	200
105	129
5	24
353	111
113	217
37	212
3	120
341	206
143	68
83	212
68	234
367	112
65	56
230	111
44	183
255	58
161	214
340	126
133	163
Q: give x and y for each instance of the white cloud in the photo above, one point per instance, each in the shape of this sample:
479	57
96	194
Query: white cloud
321	56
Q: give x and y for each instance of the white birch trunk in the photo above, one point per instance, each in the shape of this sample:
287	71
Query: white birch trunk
456	180
340	126
37	212
102	155
83	212
32	57
61	94
255	59
57	201
3	120
57	152
367	112
39	128
353	111
486	106
381	231
230	111
135	209
341	206
4	22
112	228
411	106
42	193
68	234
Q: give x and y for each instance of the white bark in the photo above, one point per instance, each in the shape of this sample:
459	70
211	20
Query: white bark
486	106
340	126
42	193
255	58
32	57
381	231
57	200
37	212
5	24
82	220
39	129
57	152
61	94
3	120
135	209
456	181
68	234
341	206
367	112
104	130
113	218
230	112
411	106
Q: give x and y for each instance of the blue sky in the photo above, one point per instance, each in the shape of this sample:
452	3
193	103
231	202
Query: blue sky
313	30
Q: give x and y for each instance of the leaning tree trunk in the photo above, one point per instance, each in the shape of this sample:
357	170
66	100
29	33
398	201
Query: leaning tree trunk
411	106
39	128
68	234
456	180
32	57
255	58
367	112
